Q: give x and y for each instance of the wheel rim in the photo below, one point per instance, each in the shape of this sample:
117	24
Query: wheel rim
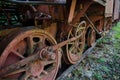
74	49
91	36
18	48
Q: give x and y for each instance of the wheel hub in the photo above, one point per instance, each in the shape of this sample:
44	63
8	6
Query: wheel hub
35	68
47	54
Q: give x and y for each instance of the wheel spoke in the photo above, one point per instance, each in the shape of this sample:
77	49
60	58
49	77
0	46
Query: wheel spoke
30	44
15	72
45	72
17	65
72	48
71	34
81	28
71	43
42	39
25	76
42	42
18	54
80	43
48	62
79	49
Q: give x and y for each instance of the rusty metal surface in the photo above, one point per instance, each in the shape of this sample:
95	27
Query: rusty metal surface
34	54
108	23
4	33
22	55
91	35
98	21
35	63
75	48
72	10
81	13
116	9
100	25
109	8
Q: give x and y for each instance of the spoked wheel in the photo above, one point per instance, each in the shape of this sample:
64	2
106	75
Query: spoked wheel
74	49
21	57
91	36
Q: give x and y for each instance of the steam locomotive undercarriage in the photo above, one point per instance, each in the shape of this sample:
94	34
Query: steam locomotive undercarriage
37	36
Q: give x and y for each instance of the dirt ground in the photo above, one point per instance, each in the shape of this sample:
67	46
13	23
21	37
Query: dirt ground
104	61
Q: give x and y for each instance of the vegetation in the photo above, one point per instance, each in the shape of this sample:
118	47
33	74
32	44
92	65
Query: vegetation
117	31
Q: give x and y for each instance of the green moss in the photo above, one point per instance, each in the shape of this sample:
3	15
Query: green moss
117	30
101	60
98	76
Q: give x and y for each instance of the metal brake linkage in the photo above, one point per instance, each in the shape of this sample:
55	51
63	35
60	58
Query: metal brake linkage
92	24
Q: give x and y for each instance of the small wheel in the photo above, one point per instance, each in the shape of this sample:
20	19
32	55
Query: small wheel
74	49
21	46
91	36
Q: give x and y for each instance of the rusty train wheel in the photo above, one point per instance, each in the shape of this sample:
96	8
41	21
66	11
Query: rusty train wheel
74	49
22	47
91	36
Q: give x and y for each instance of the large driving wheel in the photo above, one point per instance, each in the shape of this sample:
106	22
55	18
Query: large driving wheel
75	48
19	59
